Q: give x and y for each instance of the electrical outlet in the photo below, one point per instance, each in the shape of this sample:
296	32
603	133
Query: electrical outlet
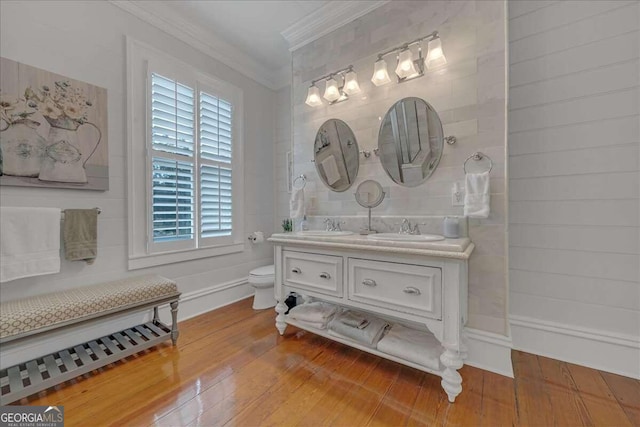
457	195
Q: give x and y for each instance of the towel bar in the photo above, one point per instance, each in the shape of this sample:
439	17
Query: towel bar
62	213
477	156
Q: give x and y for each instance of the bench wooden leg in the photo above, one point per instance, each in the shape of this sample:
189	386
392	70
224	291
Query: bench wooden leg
174	322
156	318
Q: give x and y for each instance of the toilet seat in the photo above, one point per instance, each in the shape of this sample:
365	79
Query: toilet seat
263	276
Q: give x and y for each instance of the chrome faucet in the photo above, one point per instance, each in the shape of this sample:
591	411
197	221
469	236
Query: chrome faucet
332	225
407	228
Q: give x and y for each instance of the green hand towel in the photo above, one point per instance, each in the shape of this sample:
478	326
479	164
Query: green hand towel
80	235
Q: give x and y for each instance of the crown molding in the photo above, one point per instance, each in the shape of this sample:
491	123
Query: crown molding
326	19
158	16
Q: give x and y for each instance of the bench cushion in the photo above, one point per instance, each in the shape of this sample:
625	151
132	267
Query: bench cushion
43	311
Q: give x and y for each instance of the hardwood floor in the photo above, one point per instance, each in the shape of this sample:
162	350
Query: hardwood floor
232	368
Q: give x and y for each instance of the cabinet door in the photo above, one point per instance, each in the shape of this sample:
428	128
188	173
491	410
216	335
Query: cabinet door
404	288
313	272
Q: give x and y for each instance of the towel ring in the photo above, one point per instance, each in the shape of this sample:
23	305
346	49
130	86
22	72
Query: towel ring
477	156
300	177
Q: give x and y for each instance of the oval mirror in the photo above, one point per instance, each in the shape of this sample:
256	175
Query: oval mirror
410	141
336	155
369	194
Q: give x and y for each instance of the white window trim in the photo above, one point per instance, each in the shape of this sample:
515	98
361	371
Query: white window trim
138	210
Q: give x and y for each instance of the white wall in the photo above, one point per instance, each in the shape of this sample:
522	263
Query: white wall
574	158
469	94
85	40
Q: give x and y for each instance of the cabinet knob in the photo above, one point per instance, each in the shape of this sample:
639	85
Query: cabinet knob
411	290
369	282
325	275
296	270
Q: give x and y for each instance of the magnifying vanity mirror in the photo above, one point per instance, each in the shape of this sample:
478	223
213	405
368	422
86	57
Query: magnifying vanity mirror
410	141
369	194
336	155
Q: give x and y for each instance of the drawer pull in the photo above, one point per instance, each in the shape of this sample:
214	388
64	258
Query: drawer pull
412	290
296	270
325	275
369	282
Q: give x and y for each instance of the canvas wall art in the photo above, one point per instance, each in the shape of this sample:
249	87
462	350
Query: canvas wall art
53	130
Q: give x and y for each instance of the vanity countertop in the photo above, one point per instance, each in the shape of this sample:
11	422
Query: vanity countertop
448	248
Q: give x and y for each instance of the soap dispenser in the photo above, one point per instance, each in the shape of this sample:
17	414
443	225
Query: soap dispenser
451	227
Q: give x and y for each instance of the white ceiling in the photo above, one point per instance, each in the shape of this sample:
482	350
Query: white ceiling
251	36
254	26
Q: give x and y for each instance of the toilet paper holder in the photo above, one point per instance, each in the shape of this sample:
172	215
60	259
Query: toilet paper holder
256	237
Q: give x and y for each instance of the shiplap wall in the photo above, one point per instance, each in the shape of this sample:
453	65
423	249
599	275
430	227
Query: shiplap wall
573	181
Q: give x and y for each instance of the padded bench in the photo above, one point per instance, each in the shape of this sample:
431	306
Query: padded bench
29	317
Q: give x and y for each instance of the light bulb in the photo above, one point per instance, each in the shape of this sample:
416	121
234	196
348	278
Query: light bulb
331	92
380	73
351	85
435	56
313	97
406	67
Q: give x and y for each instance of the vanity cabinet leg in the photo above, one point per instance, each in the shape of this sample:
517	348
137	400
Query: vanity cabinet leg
451	379
281	309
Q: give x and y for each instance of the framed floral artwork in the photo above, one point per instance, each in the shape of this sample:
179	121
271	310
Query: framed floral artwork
53	130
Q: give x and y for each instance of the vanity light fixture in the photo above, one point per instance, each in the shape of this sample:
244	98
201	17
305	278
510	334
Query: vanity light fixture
333	92
380	73
313	96
435	56
351	86
408	67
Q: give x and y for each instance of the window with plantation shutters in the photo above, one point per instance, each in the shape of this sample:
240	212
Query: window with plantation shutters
191	166
185	161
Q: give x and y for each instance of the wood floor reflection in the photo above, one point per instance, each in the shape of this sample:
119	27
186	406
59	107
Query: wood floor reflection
232	368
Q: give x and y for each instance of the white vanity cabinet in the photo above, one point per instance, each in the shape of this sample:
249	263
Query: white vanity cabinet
423	284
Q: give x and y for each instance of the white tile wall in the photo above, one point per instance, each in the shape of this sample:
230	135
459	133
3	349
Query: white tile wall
469	95
85	40
574	181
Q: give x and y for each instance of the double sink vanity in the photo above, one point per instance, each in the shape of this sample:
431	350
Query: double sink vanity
404	278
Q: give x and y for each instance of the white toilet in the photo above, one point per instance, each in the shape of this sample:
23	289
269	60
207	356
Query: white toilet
262	279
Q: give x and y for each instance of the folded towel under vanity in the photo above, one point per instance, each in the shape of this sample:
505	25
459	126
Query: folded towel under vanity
317	312
354	319
369	335
476	197
30	243
419	347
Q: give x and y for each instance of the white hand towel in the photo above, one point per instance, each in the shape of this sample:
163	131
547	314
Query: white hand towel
415	346
330	168
476	198
29	242
296	203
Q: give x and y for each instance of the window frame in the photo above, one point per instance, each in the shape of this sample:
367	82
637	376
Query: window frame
142	60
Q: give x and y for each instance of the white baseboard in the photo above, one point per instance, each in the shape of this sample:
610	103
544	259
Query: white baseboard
191	304
602	350
489	351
